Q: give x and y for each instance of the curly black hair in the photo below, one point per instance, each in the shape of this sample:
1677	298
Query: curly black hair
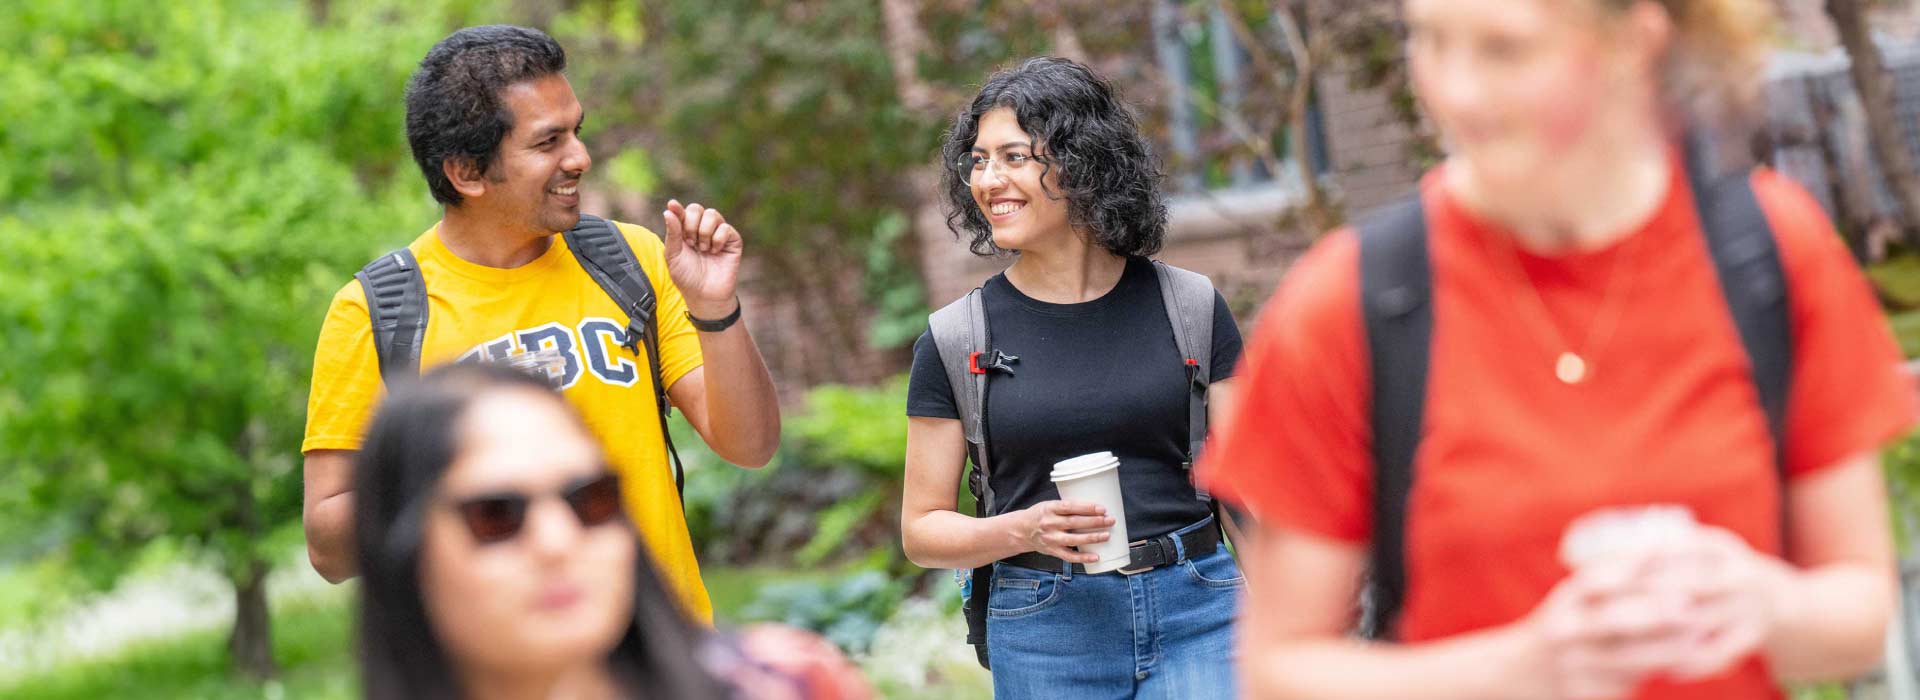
1108	172
454	109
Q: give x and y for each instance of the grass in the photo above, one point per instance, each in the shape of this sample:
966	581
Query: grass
311	642
1899	278
20	595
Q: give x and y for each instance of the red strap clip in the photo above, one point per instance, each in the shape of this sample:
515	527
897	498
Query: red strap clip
973	363
1193	362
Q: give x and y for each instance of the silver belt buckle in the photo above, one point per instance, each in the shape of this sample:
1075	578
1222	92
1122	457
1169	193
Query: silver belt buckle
1128	570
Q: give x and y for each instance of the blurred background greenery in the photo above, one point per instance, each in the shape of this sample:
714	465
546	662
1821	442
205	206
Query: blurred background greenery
185	185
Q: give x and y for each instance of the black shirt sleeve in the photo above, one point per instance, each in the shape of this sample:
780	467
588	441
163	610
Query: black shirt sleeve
1226	340
929	394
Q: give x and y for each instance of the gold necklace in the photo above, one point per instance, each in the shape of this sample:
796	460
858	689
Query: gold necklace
1573	365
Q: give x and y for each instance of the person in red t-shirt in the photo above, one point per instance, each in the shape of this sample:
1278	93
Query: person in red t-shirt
1561	223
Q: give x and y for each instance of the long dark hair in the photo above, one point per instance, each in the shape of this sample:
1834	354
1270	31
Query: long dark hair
412	441
1107	170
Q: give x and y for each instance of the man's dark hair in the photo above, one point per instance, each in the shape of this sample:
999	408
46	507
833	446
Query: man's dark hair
454	111
1108	172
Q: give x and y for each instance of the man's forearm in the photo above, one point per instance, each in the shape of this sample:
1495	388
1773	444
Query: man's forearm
743	411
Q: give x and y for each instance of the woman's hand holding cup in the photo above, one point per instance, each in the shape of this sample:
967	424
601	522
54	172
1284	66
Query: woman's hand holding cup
1600	634
1054	528
1652	593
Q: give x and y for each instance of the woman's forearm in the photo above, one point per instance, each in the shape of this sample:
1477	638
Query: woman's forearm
1483	665
944	539
1831	622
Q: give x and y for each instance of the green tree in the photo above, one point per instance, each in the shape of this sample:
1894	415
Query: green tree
187	186
784	116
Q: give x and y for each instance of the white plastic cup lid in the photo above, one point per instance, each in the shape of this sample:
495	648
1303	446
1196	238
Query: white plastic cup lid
1084	465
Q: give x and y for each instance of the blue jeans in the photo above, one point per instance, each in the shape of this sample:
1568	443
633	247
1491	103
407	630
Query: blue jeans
1165	634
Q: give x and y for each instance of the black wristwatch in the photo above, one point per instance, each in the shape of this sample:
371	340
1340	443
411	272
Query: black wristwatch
706	326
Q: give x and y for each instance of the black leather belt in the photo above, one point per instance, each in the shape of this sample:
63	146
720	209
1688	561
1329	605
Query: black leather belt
1143	555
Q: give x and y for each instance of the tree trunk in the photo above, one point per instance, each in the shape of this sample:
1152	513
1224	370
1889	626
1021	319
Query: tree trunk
1852	203
250	645
1299	106
905	40
1170	52
1870	79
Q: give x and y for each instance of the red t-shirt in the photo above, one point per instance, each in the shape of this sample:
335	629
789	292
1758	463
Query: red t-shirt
1668	412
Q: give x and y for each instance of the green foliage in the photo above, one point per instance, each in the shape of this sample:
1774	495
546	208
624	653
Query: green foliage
800	139
862	428
898	297
188	184
846	611
836	525
1899	279
733	588
29	593
1902	465
833	488
715	493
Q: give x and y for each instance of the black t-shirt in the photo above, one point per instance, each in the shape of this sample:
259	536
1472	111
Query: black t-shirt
1102	375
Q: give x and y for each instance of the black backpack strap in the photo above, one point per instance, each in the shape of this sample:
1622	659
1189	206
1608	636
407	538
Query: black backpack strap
603	252
1747	260
1753	280
1188	297
397	309
1396	288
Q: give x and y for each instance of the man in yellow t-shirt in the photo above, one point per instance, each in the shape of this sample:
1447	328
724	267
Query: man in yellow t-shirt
493	124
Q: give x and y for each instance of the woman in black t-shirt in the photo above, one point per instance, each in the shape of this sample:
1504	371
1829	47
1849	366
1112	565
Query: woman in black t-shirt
1048	164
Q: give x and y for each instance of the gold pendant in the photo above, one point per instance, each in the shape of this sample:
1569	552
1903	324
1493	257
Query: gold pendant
1570	369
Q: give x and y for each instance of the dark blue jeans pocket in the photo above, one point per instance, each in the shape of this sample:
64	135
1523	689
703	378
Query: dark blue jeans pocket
1019	592
1216	570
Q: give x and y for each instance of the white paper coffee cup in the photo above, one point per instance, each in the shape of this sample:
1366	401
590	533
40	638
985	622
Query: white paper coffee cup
1620	531
1095	478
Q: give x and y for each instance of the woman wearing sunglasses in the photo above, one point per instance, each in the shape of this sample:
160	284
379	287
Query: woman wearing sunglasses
497	563
1048	163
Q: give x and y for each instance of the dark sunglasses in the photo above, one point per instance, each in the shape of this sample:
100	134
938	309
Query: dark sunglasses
498	517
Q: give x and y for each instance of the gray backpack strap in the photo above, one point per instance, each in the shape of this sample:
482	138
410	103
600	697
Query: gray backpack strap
966	353
1189	299
603	252
397	309
960	334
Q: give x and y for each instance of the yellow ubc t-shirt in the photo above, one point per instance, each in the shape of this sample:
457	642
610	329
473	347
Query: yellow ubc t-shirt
551	302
